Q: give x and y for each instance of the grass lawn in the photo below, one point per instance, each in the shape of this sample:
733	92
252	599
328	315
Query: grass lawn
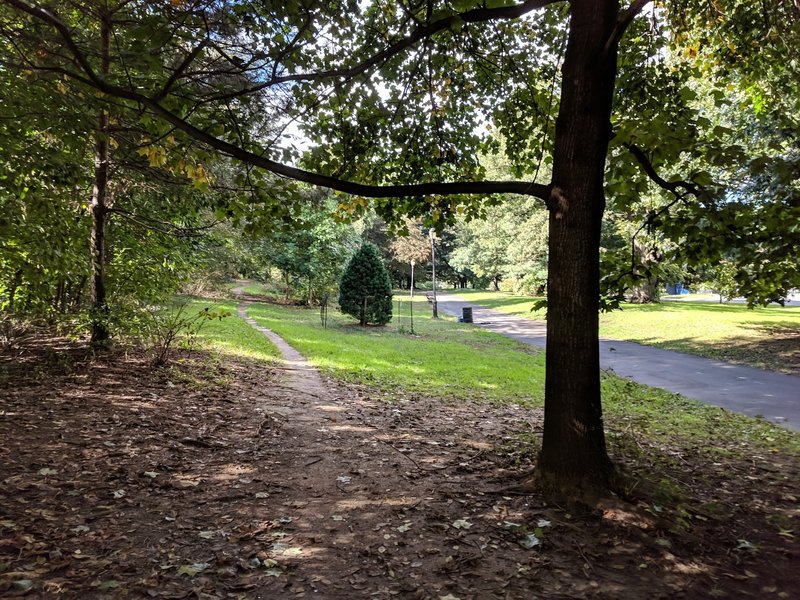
457	361
255	288
762	337
232	335
443	358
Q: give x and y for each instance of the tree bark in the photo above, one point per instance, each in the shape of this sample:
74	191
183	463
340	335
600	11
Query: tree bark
99	206
573	458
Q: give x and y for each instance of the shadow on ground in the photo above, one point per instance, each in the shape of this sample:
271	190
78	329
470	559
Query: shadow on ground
211	479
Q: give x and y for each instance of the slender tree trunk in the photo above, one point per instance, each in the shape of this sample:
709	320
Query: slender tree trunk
573	457
99	206
78	295
12	289
60	290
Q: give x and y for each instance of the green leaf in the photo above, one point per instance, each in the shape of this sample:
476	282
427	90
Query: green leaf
193	569
23	585
109	584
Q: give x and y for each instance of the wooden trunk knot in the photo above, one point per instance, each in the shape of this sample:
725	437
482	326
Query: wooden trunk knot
558	203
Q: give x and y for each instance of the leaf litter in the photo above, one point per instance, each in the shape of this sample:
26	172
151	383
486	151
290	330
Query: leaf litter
101	485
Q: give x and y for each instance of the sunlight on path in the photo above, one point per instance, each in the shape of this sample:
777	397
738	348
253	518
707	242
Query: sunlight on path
298	374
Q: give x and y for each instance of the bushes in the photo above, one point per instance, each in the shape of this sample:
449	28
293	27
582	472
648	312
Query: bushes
365	291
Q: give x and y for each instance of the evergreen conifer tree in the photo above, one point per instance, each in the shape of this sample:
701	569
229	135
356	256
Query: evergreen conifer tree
365	291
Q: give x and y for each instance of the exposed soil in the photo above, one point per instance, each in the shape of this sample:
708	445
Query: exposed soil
223	478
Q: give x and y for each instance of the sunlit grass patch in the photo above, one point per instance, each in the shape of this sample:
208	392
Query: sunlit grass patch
232	335
442	358
765	337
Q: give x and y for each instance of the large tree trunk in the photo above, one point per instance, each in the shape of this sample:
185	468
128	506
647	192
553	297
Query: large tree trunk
573	457
647	290
99	207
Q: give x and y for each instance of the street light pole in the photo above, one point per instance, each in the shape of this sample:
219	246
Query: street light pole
412	278
433	270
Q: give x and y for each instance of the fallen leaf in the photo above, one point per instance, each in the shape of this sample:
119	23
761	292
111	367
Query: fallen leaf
23	585
193	569
207	535
108	585
150	474
119	493
462	524
46	471
530	541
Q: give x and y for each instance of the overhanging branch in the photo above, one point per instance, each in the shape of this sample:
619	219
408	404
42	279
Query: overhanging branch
98	82
625	19
671	186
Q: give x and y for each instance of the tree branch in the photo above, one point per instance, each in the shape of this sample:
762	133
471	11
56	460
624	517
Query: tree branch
370	191
163	226
650	171
625	19
188	60
420	33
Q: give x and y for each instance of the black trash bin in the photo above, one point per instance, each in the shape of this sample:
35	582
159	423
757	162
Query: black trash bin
466	314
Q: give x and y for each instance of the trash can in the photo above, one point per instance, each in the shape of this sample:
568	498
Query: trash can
466	314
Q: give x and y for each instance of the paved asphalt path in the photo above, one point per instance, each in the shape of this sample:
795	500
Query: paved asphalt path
753	392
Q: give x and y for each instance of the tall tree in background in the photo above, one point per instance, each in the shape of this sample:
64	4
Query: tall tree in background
411	247
422	77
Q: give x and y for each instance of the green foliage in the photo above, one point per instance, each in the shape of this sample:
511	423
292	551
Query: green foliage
365	291
162	327
721	278
233	335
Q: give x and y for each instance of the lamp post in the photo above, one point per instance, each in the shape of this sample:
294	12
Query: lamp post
412	277
432	235
411	304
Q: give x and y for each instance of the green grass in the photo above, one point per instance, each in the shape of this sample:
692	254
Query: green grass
444	358
661	416
232	335
761	337
462	362
255	288
502	302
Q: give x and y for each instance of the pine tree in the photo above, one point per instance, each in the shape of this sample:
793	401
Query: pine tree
365	291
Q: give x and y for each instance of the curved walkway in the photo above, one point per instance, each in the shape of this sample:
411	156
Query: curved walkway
753	392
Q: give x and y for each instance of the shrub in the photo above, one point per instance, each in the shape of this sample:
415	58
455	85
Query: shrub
365	291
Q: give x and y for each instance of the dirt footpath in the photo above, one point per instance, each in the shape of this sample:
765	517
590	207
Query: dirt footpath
221	478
